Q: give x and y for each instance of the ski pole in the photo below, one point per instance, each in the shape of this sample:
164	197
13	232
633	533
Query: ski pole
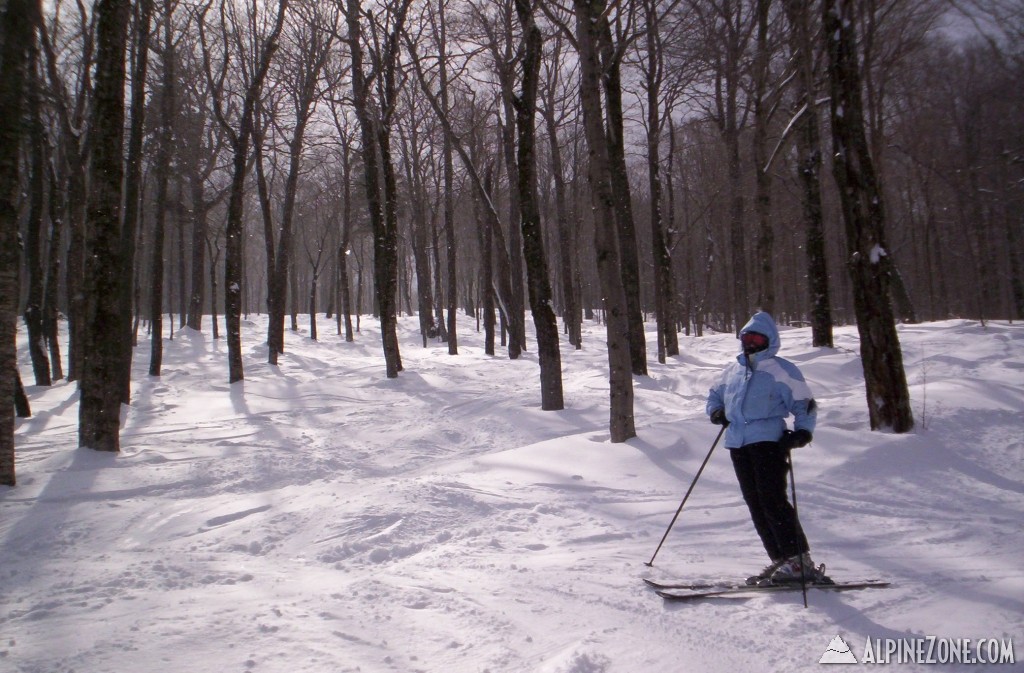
688	491
796	513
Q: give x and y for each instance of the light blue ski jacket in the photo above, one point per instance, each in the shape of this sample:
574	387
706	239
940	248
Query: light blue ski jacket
760	392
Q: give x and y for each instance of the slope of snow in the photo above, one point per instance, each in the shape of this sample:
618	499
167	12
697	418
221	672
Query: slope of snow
320	518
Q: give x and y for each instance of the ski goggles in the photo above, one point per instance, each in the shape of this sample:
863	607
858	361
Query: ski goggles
753	342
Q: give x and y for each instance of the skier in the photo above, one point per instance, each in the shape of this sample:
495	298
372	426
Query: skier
752	400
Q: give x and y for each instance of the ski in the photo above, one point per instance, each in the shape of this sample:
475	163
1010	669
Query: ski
747	591
692	586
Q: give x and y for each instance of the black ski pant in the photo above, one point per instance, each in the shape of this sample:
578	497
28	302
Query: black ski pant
762	469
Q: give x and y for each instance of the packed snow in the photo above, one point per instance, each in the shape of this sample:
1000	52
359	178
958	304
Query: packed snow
320	518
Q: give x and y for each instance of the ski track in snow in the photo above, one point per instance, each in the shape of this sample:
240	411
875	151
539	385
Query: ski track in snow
320	518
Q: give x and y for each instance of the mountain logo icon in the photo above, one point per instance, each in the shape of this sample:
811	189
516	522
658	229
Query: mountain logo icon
838	652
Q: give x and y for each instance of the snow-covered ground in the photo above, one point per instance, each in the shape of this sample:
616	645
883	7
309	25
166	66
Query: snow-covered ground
319	518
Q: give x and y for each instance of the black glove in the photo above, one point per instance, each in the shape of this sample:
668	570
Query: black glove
718	418
794	439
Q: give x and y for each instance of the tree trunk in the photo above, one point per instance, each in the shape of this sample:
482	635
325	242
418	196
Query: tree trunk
629	260
51	313
34	226
133	191
503	274
439	293
17	30
486	242
379	173
763	179
887	395
621	424
668	342
571	307
312	307
105	282
808	144
161	175
544	319
421	244
200	226
234	229
448	189
345	305
513	298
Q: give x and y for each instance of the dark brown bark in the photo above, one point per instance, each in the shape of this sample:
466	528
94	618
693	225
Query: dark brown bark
539	286
51	312
668	342
72	111
105	281
888	398
381	186
132	191
486	272
345	302
763	182
448	188
34	227
239	139
502	278
22	408
570	299
611	55
161	175
314	43
17	31
421	243
808	145
588	36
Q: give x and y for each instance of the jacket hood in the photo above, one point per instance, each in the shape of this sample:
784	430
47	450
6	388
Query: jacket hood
762	323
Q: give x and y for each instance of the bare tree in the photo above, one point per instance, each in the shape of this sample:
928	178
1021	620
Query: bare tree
539	284
415	146
16	37
553	91
495	21
309	41
133	188
448	186
72	109
161	170
37	175
102	384
860	195
728	26
482	181
374	97
344	136
239	136
653	68
589	34
808	144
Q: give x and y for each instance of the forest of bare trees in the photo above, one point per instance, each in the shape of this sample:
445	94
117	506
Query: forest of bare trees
184	163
